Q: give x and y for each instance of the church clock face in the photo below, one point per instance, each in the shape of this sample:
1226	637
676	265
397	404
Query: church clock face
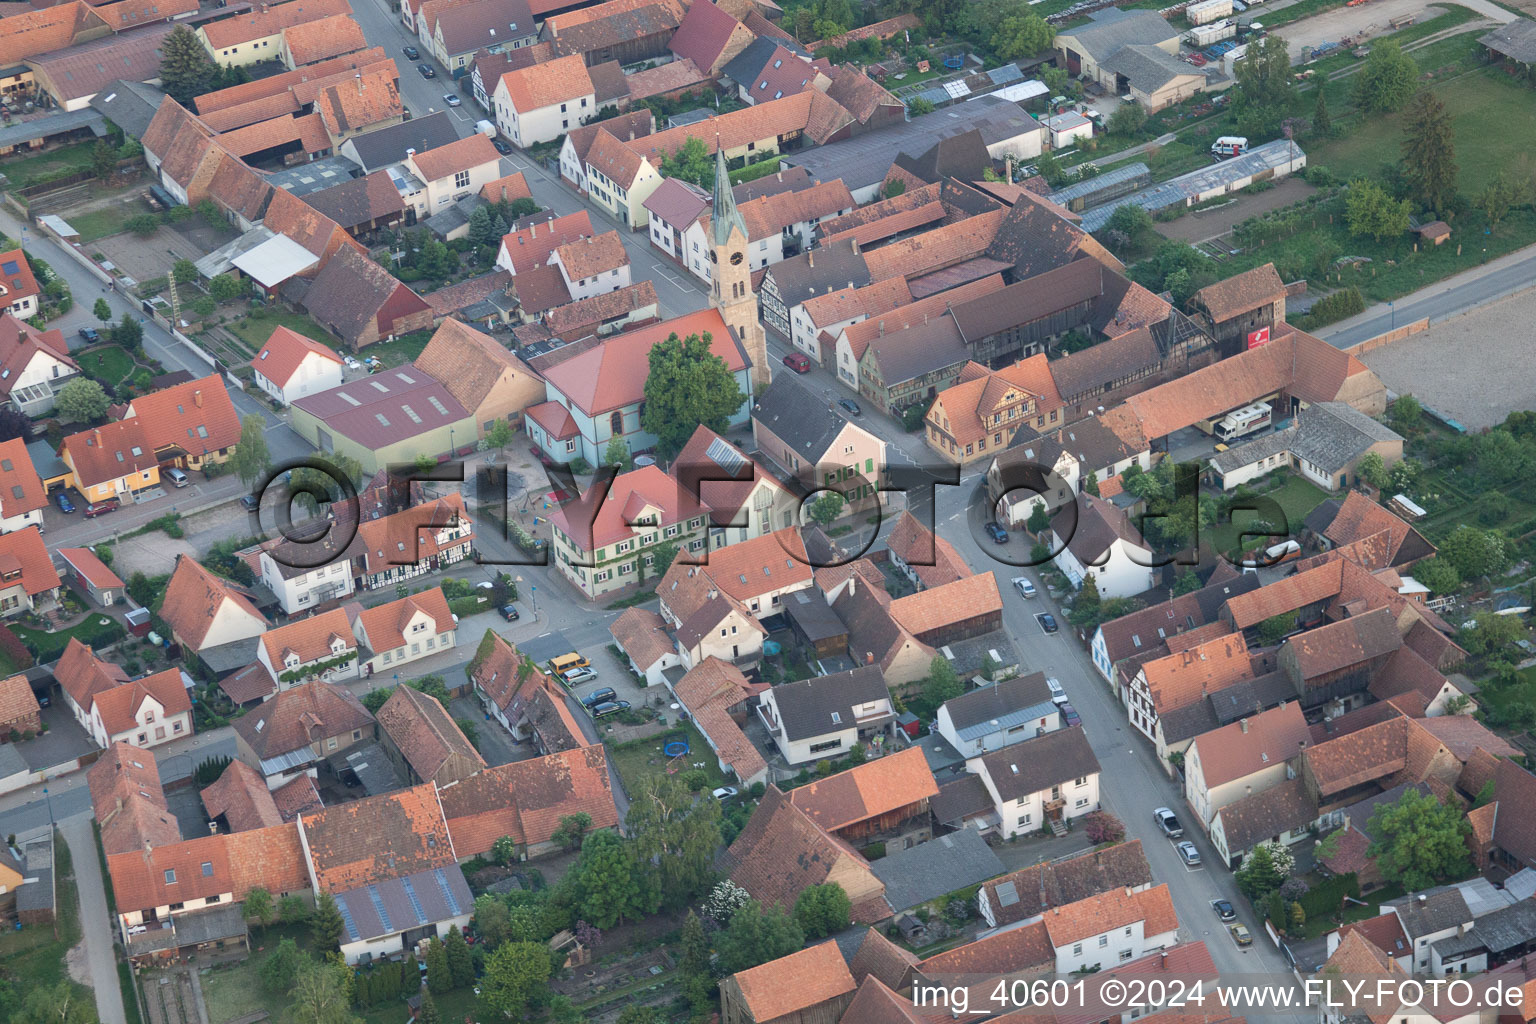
714	257
736	259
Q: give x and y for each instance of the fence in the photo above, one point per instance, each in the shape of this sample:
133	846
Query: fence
1371	344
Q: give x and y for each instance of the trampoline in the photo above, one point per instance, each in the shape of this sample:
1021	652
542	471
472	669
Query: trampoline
675	746
954	63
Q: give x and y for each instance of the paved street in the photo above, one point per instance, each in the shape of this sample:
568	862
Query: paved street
95	922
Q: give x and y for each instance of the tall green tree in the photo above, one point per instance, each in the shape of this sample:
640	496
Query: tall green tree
1022	35
942	683
1497	197
429	1013
258	906
499	435
1429	151
129	332
617	454
55	1004
1264	75
605	882
826	509
439	976
690	162
1387	80
1322	123
81	401
326	926
321	995
1419	841
675	836
1085	609
688	385
1371	211
186	70
514	974
280	970
755	936
460	964
251	458
102	311
822	910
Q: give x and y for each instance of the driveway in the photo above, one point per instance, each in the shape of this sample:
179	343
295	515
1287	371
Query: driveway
64	741
95	923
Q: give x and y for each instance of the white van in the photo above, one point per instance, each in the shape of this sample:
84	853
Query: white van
486	128
177	477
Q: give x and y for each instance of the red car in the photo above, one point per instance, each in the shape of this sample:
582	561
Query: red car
798	362
1197	59
101	508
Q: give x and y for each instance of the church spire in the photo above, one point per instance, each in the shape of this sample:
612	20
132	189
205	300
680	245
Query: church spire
724	214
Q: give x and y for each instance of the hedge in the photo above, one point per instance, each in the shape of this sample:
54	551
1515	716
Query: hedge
1327	899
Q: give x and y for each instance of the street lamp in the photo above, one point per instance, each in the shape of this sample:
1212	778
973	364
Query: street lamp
452	451
49	800
1392	305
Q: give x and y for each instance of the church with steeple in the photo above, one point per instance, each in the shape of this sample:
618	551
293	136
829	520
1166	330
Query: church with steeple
731	273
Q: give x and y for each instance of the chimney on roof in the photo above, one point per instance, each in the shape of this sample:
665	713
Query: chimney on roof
855	246
1008	169
881	329
197	398
810	258
1242	723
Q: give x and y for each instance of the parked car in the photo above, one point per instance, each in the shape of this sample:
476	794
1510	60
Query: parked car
1070	716
509	612
411	53
250	502
725	792
1188	852
849	406
997	533
798	361
502	146
1224	910
1240	935
1198	60
577	676
427	70
597	697
62	500
90	334
611	707
101	508
1048	622
1058	695
1168	823
452	99
1026	588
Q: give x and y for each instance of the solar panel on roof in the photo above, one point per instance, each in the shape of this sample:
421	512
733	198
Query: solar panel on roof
410	893
346	919
723	455
448	896
1007	894
378	905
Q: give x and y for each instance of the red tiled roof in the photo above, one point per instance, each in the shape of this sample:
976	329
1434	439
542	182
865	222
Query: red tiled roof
794	983
648	487
642	634
241	795
1241	293
309	638
708	691
195	596
24	551
557	81
269	21
283	353
530	247
387	836
196	416
21	489
323	38
511	188
297	717
426	736
527	799
384	624
467	153
1251	745
867	791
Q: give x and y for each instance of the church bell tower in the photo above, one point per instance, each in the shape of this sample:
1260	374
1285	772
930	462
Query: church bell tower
731	274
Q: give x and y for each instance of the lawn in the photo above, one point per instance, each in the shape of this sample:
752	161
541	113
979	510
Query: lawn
33	958
95	630
1297	498
402	350
255	332
109	364
53	163
639	758
108	220
1316	927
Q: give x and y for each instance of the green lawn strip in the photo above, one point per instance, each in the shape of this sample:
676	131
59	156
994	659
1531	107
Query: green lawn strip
1297	498
33	957
109	220
255	332
54	163
639	758
398	352
95	630
109	363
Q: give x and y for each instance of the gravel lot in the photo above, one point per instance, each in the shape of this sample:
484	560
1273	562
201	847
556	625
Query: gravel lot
1205	224
1371	18
1494	340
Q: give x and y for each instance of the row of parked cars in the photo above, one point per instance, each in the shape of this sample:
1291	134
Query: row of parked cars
574	669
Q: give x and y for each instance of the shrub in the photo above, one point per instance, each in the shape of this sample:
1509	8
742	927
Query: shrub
695	779
1338	306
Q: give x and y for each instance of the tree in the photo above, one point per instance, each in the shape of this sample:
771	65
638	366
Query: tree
1322	123
439	975
893	188
103	159
662	557
56	1004
1370	210
942	683
1258	877
688	385
250	457
571	828
129	332
428	1014
1387	80
499	435
482	227
1489	633
822	910
1429	151
1128	119
1497	197
723	901
81	401
1372	469
1438	574
1276	628
321	996
1135	223
292	909
918	106
1022	36
102	310
1103	827
827	508
757	935
634	1014
1085	608
225	287
1186	582
1264	75
1473	552
1419	841
1407	411
461	966
675	837
14	424
514	973
326	926
425	463
617	454
603	883
185	67
1039	519
258	906
690	162
280	969
184	271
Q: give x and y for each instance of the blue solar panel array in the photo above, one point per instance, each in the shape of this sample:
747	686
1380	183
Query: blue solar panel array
410	893
378	905
448	897
346	919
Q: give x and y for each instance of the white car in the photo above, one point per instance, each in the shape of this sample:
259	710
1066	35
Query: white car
1188	852
1058	695
1025	588
725	792
577	676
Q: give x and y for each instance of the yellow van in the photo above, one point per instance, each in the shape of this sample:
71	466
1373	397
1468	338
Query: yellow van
567	661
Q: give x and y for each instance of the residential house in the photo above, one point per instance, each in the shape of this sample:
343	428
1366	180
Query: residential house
528	249
258	35
715	695
759	574
1034	472
926	559
672	209
593	265
1022	896
1241	311
823	717
790	283
311	42
481	374
595	395
383	147
142	713
1118	641
389	862
527	703
287	568
129	802
1106	545
320	646
644	638
987	408
601	549
541	103
291	366
449	173
830	313
390	418
1283	813
422	740
462	29
18	286
711	38
22	495
28	580
188	424
1194	669
397	632
1249	756
893	334
883	801
999	715
810	985
777	226
745	501
617	178
361	303
39	363
1038	783
441	529
625	127
801	433
528	799
1324	444
293	732
1429	918
19	710
1113	927
82	675
782	852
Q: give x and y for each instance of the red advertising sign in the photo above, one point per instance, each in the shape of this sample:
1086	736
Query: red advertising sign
1258	337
